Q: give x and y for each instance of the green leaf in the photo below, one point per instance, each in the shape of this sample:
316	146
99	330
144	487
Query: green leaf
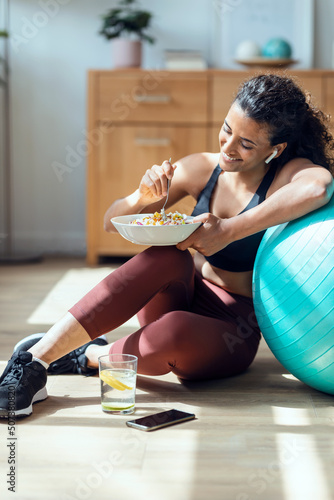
125	19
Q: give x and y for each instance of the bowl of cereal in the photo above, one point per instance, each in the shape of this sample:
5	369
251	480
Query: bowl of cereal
151	229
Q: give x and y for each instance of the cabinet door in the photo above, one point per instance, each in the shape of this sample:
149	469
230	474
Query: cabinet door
123	156
224	89
214	138
155	97
312	85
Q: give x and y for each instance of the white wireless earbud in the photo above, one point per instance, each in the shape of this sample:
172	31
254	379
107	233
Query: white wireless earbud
268	160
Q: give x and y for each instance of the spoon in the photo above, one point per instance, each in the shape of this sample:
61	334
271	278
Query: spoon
162	211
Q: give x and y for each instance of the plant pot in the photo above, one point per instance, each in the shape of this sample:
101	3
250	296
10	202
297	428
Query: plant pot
126	53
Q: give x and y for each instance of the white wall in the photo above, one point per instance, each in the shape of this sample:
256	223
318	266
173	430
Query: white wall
54	43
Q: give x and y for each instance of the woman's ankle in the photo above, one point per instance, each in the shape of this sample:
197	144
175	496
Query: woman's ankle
93	352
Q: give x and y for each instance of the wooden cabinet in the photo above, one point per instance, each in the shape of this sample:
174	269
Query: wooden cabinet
137	118
151	97
131	149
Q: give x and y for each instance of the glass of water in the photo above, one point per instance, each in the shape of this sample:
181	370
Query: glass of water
118	374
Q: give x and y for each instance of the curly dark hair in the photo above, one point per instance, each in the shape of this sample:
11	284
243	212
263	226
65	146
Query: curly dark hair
278	102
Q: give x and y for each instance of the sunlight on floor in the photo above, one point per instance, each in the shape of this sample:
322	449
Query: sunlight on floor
70	288
291	416
289	376
299	463
302	473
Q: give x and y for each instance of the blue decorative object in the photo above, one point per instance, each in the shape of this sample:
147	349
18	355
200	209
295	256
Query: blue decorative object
293	288
277	48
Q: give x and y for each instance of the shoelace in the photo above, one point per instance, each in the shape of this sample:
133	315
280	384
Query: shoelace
14	374
72	364
69	365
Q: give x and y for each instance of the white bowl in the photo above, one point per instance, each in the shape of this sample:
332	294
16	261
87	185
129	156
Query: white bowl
153	235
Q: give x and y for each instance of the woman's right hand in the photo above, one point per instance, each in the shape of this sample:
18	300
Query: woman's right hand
153	185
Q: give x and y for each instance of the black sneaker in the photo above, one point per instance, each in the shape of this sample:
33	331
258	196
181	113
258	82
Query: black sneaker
21	384
73	362
26	343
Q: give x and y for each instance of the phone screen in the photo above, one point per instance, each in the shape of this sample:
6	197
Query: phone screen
162	419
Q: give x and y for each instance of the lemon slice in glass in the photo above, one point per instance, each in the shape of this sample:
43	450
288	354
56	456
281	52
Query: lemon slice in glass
113	382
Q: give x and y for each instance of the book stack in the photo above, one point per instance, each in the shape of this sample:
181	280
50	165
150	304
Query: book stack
184	60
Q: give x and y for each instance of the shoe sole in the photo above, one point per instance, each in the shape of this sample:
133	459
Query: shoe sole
25	412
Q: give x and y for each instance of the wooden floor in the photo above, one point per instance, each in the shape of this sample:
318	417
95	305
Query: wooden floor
261	435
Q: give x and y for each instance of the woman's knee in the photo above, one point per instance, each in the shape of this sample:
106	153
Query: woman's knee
176	332
198	353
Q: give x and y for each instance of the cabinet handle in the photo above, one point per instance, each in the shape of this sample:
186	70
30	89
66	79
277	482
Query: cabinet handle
152	99
152	141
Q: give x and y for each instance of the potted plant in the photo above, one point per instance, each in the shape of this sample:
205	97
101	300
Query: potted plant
125	26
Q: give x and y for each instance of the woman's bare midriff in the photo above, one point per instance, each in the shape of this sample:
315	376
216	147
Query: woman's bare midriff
240	283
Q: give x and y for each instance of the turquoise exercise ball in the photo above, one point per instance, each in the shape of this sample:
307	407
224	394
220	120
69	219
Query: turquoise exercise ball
277	48
293	290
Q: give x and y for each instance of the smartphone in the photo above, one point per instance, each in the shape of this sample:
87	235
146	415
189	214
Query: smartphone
159	420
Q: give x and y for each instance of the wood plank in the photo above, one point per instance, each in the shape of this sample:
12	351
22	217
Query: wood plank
262	434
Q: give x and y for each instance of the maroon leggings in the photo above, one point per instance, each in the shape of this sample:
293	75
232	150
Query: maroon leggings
189	326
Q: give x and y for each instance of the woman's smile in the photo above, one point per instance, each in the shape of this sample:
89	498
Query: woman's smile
229	158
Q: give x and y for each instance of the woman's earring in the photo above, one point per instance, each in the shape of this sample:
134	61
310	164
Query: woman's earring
268	160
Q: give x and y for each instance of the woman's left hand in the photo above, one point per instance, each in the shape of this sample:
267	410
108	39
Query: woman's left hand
210	237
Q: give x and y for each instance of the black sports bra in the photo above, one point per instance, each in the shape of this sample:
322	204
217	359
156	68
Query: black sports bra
240	255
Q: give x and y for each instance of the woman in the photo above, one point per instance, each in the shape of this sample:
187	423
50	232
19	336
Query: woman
196	314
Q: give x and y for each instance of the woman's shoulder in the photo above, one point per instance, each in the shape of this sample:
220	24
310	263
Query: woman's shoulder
297	165
296	168
197	166
199	161
195	170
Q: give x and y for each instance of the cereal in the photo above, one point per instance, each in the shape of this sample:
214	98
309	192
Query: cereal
173	219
